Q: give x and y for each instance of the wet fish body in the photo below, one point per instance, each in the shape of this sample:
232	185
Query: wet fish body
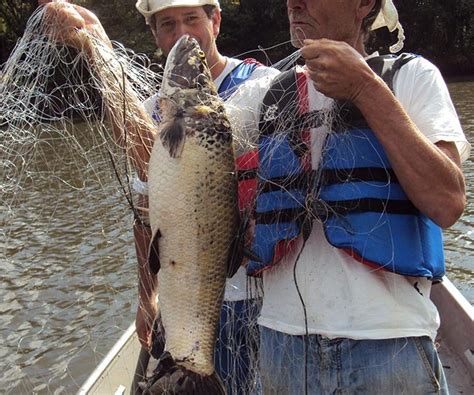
193	207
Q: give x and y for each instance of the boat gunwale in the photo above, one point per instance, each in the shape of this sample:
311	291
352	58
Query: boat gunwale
108	360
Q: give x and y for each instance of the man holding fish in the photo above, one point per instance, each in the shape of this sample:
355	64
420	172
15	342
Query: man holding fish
376	147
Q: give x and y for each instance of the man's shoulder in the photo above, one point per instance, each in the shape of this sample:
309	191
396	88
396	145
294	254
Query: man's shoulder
418	64
260	69
253	61
419	73
253	64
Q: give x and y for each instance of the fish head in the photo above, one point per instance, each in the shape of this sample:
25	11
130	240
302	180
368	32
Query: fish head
186	68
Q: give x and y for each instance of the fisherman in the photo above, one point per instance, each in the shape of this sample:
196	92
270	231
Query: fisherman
168	21
377	155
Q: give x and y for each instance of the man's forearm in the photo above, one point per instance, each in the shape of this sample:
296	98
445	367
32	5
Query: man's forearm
132	126
429	174
147	281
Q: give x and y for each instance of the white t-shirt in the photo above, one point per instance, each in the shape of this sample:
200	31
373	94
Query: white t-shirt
237	287
342	297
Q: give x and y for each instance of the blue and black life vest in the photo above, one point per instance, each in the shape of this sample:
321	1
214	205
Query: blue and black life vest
354	192
238	74
247	163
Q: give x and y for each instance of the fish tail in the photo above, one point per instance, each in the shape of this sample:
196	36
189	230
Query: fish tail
173	379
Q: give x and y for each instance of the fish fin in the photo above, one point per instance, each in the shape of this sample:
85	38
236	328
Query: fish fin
236	253
173	135
158	338
171	378
154	253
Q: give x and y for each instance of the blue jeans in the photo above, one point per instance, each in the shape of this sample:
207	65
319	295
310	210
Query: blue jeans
343	366
236	348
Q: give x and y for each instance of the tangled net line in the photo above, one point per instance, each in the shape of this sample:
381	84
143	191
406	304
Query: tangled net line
63	173
47	88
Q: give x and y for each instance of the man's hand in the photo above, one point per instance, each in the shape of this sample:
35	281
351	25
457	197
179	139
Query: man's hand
337	69
72	25
146	315
430	175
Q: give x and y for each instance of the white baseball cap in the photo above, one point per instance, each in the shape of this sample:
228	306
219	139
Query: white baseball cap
388	17
149	7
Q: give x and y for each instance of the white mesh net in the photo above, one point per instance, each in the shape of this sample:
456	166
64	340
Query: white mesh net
72	133
62	175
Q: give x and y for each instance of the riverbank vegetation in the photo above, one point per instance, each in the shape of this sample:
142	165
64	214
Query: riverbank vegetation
440	30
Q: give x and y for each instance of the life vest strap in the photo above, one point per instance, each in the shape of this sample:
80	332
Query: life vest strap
290	122
286	183
366	205
358	174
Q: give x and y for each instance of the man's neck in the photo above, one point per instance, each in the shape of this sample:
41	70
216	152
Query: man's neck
218	66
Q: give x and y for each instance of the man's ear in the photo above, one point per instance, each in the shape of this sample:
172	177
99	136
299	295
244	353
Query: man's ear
216	22
365	6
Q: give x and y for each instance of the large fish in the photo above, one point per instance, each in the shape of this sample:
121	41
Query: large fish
194	218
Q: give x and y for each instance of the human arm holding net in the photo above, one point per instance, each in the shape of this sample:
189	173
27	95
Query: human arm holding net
430	173
133	128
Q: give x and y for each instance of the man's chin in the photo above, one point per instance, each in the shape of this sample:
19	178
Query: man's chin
299	33
297	40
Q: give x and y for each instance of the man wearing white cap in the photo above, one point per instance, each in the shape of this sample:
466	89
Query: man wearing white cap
346	306
201	19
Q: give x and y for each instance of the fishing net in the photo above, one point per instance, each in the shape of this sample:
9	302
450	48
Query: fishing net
67	260
72	134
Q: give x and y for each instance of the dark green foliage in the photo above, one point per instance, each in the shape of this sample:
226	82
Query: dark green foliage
13	17
123	23
440	30
252	24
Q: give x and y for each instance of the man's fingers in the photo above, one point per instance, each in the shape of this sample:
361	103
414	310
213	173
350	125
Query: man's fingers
70	16
318	64
313	49
308	41
63	18
89	17
71	25
42	2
